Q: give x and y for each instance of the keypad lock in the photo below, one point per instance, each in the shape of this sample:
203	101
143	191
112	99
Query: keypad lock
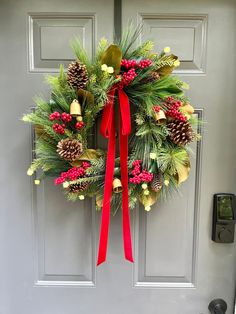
224	218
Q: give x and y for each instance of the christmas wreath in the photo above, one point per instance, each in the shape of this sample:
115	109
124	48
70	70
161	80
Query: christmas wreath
142	107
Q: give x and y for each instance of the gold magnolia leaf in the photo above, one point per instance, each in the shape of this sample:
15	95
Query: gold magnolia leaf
85	97
167	65
112	57
187	108
89	154
182	172
150	199
99	201
39	130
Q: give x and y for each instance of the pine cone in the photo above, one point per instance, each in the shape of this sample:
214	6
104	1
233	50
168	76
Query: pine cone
78	187
69	149
77	75
157	182
154	76
181	132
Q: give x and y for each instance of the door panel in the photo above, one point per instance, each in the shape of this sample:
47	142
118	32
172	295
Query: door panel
168	234
187	34
50	35
64	238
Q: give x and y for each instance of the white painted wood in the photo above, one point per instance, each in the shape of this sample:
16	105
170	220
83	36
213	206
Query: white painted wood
48	246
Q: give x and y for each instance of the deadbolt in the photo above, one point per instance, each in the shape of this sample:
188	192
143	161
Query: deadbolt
224	218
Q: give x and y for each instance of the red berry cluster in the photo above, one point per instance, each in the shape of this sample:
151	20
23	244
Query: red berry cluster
66	117
173	106
129	76
59	129
128	63
133	63
55	116
79	125
73	173
63	117
144	63
140	175
156	108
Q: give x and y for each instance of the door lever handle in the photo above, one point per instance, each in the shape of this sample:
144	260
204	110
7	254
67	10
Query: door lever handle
217	306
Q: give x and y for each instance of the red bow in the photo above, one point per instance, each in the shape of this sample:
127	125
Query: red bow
108	130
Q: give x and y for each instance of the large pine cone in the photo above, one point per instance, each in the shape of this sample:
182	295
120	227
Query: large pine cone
77	75
69	149
181	132
157	182
78	187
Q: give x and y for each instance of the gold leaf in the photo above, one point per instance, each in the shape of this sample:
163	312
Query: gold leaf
39	130
150	199
183	172
187	108
167	63
85	97
112	57
89	154
99	201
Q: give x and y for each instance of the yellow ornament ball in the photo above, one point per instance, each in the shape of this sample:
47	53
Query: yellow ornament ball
147	208
177	63
104	67
166	182
81	197
30	172
166	49
37	182
153	155
144	186
65	184
110	70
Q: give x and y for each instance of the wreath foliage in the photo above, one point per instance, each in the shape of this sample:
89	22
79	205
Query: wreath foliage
163	123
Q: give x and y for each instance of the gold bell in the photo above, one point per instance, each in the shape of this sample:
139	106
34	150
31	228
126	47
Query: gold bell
117	186
187	109
75	110
160	117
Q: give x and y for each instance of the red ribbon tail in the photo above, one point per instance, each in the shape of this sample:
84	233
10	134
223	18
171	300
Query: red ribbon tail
108	130
110	164
125	198
125	128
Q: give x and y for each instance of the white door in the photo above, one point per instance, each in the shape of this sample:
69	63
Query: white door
49	246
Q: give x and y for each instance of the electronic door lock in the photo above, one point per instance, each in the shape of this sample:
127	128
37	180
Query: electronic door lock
224	218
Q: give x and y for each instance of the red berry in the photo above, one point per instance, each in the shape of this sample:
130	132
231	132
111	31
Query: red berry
79	125
156	108
66	117
54	116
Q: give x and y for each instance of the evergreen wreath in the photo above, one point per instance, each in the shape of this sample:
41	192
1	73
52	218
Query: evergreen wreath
131	79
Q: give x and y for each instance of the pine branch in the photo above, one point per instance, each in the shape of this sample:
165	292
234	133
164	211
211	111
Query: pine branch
128	39
170	158
142	51
80	52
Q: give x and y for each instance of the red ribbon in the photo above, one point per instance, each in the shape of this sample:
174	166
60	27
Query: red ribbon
108	130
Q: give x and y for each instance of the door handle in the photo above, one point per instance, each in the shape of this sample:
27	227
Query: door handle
217	306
